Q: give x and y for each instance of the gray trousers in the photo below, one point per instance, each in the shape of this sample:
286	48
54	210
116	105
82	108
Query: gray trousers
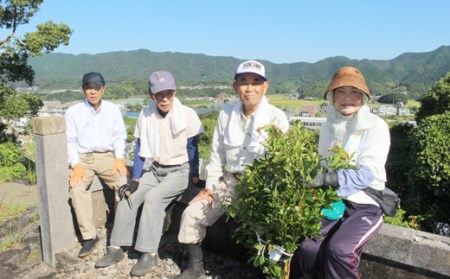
157	188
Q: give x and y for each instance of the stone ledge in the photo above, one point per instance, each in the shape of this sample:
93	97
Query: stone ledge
411	249
395	252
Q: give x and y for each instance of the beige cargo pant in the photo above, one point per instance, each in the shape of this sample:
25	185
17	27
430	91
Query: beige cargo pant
197	216
99	164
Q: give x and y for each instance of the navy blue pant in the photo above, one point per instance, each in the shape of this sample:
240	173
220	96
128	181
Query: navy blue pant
338	253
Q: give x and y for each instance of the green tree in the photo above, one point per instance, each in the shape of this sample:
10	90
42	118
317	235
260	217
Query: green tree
209	120
437	100
399	161
429	177
11	162
14	54
393	98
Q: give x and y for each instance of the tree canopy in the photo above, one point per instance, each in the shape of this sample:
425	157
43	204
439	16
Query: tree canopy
437	100
393	98
15	51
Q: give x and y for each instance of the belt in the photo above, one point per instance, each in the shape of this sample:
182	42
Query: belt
158	165
98	152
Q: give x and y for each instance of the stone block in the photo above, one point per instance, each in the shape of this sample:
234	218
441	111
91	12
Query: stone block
48	125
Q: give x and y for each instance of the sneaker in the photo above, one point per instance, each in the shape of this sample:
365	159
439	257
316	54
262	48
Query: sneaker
113	255
88	247
146	262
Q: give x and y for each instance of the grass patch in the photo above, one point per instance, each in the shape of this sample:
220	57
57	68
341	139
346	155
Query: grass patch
34	256
10	211
7	244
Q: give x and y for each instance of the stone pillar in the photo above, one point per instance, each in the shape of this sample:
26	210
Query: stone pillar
57	230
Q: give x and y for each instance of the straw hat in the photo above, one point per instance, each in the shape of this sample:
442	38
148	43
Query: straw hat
348	76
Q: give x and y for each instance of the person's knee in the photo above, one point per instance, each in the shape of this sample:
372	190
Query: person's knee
308	249
189	216
154	199
78	192
337	250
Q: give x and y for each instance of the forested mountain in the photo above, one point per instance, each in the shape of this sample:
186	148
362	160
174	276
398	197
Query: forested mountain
410	72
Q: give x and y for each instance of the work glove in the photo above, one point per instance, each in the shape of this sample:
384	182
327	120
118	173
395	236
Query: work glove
119	166
126	190
324	179
78	175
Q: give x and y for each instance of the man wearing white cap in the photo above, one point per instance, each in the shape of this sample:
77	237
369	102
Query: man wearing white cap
236	143
164	131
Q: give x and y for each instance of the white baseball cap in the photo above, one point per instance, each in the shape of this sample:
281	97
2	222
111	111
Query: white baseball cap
251	67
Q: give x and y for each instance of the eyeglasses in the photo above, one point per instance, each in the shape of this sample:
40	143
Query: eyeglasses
164	94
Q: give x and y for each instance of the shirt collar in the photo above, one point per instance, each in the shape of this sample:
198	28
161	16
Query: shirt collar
91	108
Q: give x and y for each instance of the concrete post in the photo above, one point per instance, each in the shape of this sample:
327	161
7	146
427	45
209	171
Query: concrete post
57	230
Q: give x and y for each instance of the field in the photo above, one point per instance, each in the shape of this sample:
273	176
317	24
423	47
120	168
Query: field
283	102
278	100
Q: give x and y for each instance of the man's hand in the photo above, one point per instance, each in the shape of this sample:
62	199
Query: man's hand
324	179
119	166
126	190
78	175
205	194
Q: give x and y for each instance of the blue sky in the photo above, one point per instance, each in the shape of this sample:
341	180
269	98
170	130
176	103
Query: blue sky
280	31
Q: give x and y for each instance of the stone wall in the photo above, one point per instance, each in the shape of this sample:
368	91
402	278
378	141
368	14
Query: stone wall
395	252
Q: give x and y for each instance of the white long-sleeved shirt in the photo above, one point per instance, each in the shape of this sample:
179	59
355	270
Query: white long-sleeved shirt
234	158
370	147
89	130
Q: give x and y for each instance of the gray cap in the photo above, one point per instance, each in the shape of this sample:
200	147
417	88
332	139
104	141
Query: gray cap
160	81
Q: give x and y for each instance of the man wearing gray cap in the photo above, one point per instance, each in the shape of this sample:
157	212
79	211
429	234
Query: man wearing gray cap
96	145
237	142
165	132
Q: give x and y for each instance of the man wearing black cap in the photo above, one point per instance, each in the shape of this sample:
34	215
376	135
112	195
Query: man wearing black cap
96	145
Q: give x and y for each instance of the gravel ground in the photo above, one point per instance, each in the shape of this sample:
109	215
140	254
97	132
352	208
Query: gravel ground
24	261
173	259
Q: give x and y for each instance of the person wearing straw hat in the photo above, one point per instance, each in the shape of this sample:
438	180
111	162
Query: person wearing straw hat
167	133
237	142
351	125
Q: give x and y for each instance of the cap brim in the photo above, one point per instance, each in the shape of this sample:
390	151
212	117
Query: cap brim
235	76
157	89
94	83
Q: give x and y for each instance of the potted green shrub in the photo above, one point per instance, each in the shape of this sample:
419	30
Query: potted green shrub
274	208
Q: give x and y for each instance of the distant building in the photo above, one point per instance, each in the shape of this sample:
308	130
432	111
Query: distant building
308	110
391	111
51	108
312	123
49	105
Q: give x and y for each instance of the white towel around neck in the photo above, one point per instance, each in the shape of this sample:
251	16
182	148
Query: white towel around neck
150	138
234	135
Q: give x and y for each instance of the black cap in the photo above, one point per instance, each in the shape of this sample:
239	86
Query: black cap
93	77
